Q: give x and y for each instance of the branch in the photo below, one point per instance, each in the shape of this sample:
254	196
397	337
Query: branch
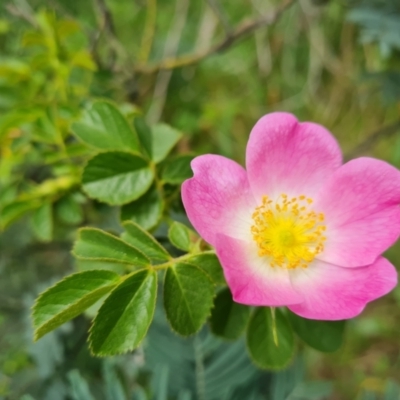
238	33
372	139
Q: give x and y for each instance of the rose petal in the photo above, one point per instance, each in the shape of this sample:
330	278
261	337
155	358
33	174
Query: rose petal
218	198
360	202
285	156
335	293
251	279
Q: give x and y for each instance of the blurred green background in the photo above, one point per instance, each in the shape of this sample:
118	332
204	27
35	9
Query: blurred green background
210	68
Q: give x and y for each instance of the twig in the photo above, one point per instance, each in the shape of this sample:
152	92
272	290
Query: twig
171	48
25	14
238	33
218	11
149	30
372	139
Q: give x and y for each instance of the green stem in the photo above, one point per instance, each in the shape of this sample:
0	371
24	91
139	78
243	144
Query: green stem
274	331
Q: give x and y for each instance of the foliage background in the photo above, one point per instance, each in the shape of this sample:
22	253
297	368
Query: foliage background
333	62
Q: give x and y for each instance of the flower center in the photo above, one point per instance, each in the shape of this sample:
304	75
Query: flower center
288	231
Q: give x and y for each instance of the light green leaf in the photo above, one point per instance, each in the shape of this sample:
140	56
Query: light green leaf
326	336
146	211
69	298
164	138
125	316
270	343
42	222
104	127
209	263
188	296
136	236
11	212
228	319
97	245
177	170
117	178
181	236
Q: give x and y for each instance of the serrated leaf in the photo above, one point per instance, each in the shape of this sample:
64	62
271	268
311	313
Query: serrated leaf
177	170
209	263
116	177
164	138
270	344
188	296
42	222
97	245
69	298
326	336
104	127
125	316
181	236
228	319
146	211
136	236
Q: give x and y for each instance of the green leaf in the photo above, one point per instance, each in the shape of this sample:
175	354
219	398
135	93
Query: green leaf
69	298
11	212
142	240
188	296
177	170
181	236
326	336
97	245
146	211
117	178
158	140
125	316
42	222
103	127
209	263
266	349
164	138
228	319
144	133
69	210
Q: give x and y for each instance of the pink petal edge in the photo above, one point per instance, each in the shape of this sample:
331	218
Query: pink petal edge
285	156
361	206
218	198
335	293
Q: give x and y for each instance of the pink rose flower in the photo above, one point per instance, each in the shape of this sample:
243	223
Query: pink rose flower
297	228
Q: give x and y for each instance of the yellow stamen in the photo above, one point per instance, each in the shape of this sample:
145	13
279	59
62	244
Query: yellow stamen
288	231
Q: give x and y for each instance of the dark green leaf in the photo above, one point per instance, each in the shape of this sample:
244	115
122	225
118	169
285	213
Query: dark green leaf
125	316
69	298
146	211
228	319
136	236
95	244
104	127
181	236
271	345
42	222
117	178
177	170
69	210
144	133
188	296
326	336
209	263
